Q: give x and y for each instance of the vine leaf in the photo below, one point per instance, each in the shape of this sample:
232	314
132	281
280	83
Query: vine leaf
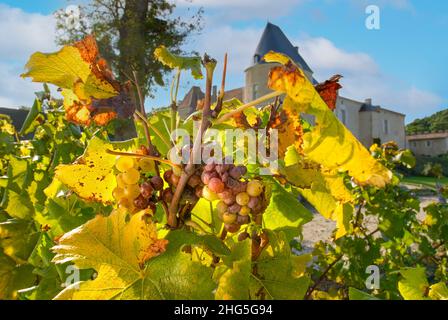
14	277
92	176
233	276
284	212
278	274
178	62
129	261
328	91
415	286
91	94
329	143
355	294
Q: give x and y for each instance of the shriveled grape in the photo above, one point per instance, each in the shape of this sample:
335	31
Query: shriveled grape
157	183
232	228
146	190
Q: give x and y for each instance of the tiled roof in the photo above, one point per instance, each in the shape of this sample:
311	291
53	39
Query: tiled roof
428	136
274	39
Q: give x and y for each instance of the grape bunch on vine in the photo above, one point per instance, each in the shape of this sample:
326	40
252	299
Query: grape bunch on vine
86	217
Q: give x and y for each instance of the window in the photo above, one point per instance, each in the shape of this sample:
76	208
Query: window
386	126
414	144
256	58
343	116
254	91
428	143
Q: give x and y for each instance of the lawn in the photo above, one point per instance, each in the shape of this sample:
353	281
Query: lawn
424	181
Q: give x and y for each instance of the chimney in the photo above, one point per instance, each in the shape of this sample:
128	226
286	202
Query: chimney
368	101
214	94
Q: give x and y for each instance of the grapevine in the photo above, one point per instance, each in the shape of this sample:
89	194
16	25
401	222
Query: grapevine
131	214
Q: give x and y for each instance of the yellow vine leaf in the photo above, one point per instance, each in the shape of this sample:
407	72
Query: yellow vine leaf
329	143
91	93
324	189
92	177
178	62
116	249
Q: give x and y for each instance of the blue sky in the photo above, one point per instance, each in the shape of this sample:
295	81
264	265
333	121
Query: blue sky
402	66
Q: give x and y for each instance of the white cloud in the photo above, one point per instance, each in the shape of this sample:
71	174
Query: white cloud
363	78
21	34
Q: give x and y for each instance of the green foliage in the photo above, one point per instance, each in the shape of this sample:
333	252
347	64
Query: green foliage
59	213
436	122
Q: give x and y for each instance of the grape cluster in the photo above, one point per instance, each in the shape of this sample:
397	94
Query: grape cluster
136	188
238	199
192	191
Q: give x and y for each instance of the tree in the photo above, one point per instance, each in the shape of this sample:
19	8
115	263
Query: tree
128	32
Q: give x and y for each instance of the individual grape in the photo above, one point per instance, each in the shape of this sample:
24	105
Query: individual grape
221	207
167	195
208	194
146	165
198	191
124	203
242	198
167	176
225	177
225	194
207	176
177	171
194	181
146	190
240	187
232	228
234	208
242	219
175	179
229	201
228	217
209	167
118	193
244	211
216	185
258	208
157	183
243	236
237	172
131	176
253	202
220	169
141	203
131	191
232	183
120	181
124	163
254	188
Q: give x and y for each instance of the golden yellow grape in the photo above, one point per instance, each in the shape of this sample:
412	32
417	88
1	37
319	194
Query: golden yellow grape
131	176
146	165
254	188
242	198
118	193
120	181
131	191
124	163
244	211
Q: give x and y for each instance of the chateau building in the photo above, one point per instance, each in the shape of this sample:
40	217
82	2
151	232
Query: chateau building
368	122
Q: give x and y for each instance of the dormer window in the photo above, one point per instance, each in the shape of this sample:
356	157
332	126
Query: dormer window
256	58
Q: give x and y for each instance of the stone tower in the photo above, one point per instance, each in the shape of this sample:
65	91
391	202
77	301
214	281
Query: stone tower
273	39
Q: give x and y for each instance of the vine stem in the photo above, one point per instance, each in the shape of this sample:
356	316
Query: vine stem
156	131
210	65
230	114
136	155
322	277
